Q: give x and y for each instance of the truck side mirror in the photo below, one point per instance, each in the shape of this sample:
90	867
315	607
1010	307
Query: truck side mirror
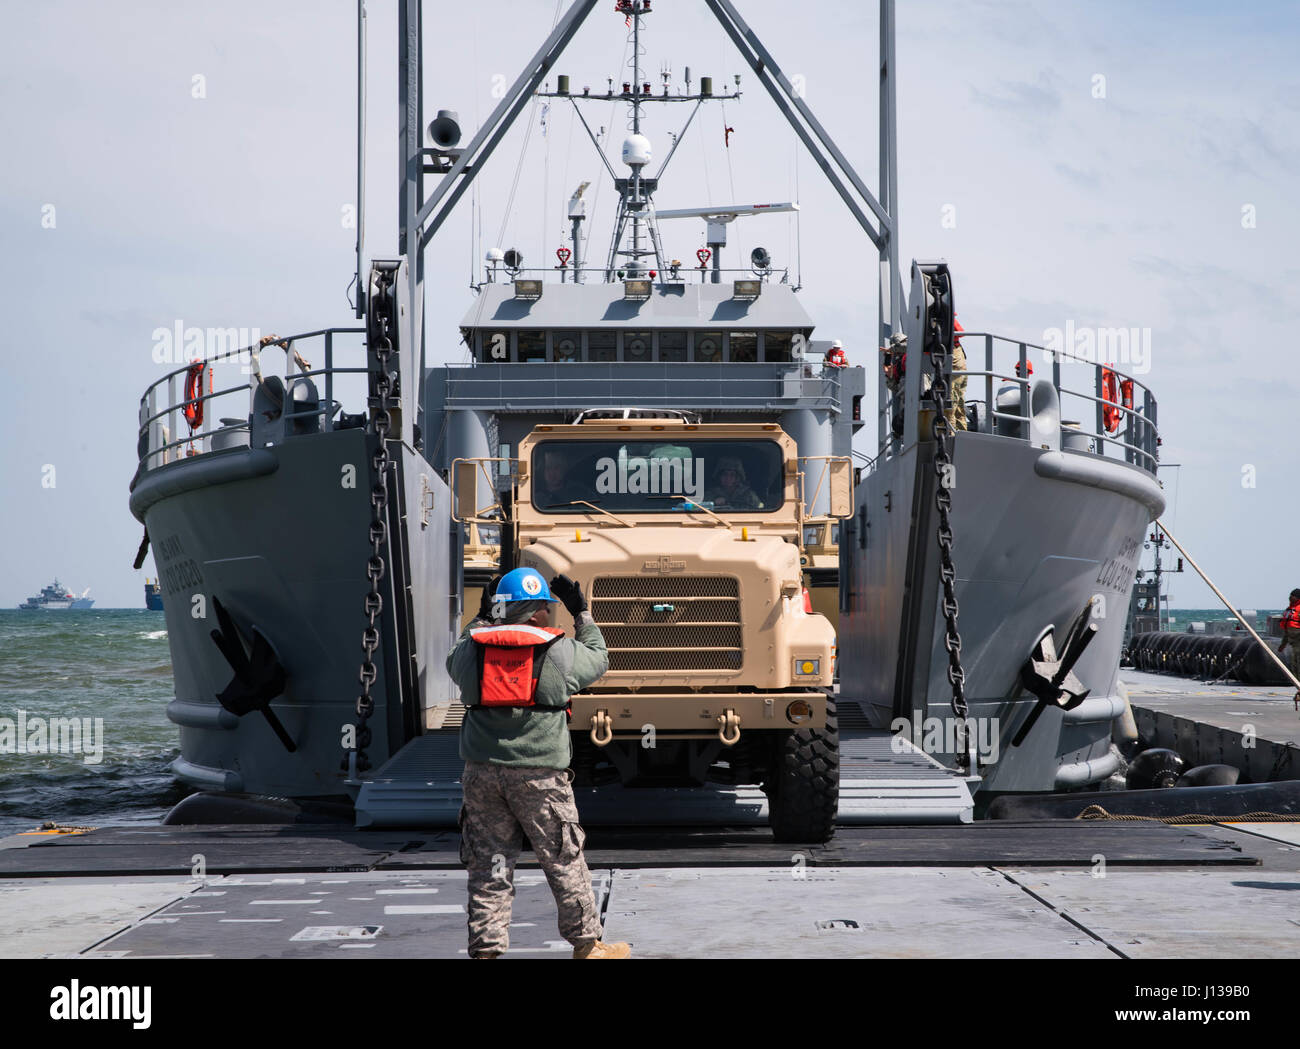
465	486
841	487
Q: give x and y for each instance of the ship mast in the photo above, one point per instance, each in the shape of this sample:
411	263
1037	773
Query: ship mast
630	248
422	216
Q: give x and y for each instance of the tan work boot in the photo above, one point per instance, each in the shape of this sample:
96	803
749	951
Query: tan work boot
596	949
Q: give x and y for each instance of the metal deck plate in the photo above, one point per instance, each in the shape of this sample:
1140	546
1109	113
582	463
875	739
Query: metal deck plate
390	915
51	918
420	787
1179	914
834	913
224	850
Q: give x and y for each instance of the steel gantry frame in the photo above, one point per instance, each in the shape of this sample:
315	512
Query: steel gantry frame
420	218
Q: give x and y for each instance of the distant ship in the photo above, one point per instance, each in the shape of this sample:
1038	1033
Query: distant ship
152	596
57	597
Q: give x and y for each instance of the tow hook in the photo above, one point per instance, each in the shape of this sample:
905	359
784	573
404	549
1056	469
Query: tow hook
602	728
729	727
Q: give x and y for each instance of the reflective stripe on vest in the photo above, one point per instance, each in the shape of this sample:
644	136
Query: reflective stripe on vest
510	662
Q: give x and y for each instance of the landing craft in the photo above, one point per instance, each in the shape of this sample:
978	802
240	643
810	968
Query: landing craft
339	543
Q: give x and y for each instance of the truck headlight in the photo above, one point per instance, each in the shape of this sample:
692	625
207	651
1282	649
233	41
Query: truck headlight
799	711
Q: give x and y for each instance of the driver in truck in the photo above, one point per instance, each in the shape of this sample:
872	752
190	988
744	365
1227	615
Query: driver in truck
730	488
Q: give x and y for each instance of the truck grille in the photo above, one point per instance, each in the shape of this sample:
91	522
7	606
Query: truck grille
699	630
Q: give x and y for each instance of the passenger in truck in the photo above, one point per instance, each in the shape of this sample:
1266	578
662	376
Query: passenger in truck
553	488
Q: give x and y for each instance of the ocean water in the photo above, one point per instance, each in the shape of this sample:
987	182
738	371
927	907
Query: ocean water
114	665
111	666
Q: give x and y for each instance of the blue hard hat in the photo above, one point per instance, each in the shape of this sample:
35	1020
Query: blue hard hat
523	584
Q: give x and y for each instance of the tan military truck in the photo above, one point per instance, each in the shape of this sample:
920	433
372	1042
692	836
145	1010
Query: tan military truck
687	539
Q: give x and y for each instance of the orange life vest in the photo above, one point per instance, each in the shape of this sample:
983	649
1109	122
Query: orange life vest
510	661
1291	618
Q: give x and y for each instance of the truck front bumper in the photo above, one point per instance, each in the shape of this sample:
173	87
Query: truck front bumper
697	715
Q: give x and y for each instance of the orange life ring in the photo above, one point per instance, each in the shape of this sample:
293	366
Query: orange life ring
192	409
1110	412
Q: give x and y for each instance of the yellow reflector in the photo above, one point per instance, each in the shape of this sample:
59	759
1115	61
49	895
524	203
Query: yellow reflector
744	535
577	535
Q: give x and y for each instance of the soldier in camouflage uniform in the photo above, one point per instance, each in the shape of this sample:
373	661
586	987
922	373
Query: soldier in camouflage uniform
517	753
894	363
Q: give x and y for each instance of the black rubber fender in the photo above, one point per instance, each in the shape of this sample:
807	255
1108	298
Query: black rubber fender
209	807
1209	776
1222	803
1157	768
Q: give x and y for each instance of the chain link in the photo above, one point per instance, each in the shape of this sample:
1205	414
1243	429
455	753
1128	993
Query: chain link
943	433
373	606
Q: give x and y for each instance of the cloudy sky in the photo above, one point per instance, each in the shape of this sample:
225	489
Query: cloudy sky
1085	163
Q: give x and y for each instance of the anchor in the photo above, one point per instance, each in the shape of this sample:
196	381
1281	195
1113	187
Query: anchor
1051	678
259	677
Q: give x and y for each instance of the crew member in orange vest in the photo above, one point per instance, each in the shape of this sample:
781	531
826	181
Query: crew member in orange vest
1291	636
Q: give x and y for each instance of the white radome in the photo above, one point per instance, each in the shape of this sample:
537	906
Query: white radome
636	151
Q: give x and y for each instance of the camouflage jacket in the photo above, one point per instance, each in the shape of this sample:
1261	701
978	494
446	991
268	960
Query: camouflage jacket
520	735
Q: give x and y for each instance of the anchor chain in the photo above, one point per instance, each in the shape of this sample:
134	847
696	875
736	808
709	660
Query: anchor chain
943	433
355	760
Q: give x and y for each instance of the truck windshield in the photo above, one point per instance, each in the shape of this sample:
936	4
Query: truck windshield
658	475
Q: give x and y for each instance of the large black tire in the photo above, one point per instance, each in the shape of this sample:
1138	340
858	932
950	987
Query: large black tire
803	787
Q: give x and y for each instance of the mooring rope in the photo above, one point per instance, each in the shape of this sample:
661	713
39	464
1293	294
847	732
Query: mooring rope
1096	812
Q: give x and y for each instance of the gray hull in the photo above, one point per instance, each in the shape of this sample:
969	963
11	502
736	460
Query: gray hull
277	537
1038	535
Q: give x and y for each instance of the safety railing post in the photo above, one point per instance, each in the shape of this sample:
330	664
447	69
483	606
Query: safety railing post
1101	411
172	433
1130	434
151	429
329	381
987	421
1023	372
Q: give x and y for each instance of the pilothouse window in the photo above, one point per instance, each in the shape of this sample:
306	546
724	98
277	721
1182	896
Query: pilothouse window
532	346
744	346
776	345
636	345
602	346
708	346
568	346
496	346
672	345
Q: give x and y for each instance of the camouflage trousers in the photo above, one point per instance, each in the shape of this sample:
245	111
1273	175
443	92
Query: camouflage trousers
502	804
956	413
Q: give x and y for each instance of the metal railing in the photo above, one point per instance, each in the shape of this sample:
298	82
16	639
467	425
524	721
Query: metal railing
1134	435
164	401
653	384
596	275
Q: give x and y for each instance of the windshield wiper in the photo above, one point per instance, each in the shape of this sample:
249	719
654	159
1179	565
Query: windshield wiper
690	504
583	502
